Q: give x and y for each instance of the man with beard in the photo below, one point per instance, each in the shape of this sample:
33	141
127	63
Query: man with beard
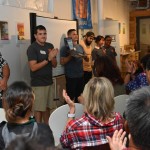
87	65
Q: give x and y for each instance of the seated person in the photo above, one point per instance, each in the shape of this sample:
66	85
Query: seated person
97	122
139	80
17	102
22	144
104	66
137	124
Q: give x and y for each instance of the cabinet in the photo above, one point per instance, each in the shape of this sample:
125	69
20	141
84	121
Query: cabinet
130	56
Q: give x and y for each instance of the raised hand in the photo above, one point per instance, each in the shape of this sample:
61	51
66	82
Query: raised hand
118	140
69	101
52	54
129	66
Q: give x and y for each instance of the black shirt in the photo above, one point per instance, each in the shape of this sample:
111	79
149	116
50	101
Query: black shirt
43	76
44	134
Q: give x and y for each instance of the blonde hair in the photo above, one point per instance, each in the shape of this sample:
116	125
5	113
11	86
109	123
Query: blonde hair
99	98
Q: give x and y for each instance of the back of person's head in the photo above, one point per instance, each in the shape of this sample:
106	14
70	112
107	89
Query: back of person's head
39	27
98	38
99	97
104	66
70	31
144	60
18	100
138	117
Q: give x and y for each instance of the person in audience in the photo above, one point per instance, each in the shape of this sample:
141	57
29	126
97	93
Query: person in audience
18	102
118	141
110	50
132	81
98	50
87	65
148	71
97	122
22	144
4	76
138	122
41	59
104	66
73	67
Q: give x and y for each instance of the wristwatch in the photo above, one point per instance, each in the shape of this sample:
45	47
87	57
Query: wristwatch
71	115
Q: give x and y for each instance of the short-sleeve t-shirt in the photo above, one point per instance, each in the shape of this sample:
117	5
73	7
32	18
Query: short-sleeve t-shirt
110	51
74	68
96	52
43	76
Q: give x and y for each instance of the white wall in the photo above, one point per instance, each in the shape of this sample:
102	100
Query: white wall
118	10
13	51
63	9
114	9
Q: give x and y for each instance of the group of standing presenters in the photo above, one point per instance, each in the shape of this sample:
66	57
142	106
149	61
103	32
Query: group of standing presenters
78	73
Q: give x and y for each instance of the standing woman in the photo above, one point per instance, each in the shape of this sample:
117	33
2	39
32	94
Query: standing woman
18	102
98	50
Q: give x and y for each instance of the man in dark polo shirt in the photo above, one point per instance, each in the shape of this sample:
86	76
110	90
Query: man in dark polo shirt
42	57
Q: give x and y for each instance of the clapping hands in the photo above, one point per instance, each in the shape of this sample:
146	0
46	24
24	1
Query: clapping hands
52	53
118	140
69	101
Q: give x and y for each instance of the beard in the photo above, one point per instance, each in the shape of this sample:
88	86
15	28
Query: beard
87	42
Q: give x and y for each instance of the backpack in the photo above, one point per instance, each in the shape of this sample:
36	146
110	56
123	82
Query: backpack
10	136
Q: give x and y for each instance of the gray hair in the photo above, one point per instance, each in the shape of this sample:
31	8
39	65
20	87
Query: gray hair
138	117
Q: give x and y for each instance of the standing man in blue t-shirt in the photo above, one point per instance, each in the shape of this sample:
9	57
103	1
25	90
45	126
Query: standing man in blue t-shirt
73	67
42	57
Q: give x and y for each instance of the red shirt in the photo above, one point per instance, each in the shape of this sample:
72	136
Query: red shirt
88	131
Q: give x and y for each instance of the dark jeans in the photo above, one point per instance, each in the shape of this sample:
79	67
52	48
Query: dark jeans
87	77
74	87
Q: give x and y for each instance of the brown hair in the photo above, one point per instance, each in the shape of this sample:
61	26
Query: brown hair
18	99
104	66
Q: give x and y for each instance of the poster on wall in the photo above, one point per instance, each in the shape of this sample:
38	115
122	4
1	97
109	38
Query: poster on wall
20	31
82	12
4	30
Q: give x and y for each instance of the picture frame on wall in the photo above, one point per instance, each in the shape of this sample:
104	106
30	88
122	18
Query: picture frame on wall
4	35
20	31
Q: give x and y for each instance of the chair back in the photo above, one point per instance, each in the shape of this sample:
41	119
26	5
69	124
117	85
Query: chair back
58	119
2	115
120	103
